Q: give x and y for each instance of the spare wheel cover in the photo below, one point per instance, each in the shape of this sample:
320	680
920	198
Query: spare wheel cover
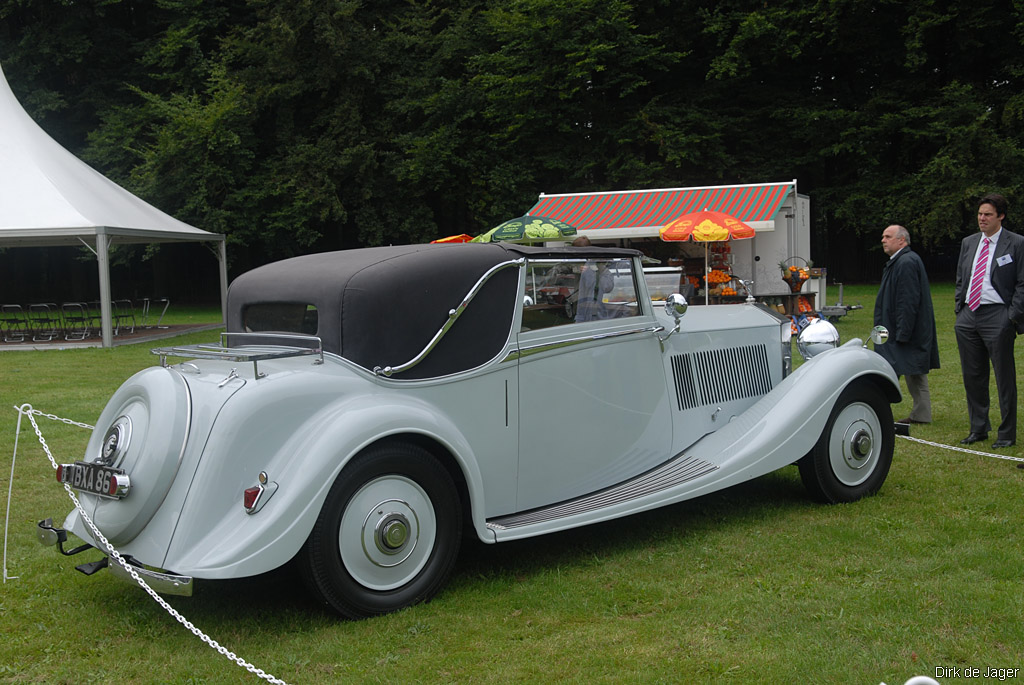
154	410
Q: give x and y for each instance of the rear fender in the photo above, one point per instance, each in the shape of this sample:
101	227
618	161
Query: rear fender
216	538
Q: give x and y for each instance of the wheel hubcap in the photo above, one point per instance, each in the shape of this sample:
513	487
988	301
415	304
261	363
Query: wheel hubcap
387	532
392	533
853	443
860	444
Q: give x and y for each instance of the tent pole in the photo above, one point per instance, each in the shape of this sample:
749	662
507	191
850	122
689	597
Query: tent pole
222	257
103	259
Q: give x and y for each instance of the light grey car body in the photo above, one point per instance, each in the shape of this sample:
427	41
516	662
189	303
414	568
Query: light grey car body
560	426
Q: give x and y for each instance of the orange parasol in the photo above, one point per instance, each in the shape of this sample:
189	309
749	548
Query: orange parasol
706	227
461	238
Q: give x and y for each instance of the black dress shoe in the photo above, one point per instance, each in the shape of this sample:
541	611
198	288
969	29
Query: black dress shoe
909	420
1002	443
973	438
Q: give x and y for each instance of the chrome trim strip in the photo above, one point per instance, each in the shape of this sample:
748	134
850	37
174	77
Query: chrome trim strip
676	471
527	350
453	316
188	423
162	583
575	260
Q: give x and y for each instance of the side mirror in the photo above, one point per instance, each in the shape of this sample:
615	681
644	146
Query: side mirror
879	334
676	306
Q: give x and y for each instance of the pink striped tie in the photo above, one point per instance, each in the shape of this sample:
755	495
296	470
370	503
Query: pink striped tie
974	295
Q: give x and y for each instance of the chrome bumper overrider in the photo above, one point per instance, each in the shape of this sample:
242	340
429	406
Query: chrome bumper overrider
162	583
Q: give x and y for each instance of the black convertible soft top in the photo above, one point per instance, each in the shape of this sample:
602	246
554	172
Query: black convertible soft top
381	306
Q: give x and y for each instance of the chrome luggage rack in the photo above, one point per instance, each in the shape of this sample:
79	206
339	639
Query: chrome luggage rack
263	346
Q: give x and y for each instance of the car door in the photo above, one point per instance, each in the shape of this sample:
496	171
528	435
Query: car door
593	399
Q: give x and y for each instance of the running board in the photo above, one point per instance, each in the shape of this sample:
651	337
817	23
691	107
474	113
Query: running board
670	474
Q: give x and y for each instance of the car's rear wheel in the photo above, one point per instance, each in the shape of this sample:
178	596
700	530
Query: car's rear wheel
852	457
388	534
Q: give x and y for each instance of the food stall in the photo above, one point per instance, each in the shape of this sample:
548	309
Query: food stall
779	215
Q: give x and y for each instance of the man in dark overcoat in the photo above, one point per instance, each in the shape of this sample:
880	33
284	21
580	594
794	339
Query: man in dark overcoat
989	316
904	306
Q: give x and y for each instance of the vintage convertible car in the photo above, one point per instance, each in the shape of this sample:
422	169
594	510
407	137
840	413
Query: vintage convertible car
365	407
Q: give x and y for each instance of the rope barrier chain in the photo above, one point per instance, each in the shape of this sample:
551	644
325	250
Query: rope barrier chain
1005	457
27	410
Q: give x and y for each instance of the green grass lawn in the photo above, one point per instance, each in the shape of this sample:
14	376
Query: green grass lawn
187	314
754	584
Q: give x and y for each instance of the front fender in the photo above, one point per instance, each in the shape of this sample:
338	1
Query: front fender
785	424
774	432
835	365
304	469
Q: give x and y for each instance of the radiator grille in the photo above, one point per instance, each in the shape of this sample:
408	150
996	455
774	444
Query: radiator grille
716	376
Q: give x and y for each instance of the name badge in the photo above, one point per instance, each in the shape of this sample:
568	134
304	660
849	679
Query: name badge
1004	260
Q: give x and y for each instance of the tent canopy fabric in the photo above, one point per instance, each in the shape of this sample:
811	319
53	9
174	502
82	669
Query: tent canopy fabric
641	213
49	197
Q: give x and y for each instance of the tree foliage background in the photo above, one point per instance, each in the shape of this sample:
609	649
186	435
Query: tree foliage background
309	125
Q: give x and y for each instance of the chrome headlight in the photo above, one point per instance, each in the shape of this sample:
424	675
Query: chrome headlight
819	336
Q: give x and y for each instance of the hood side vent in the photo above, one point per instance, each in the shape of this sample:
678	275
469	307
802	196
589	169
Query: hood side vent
687	395
717	376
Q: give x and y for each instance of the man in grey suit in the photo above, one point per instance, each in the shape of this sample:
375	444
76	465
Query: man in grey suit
989	315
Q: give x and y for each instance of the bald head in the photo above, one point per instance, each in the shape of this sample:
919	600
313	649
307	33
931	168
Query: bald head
894	239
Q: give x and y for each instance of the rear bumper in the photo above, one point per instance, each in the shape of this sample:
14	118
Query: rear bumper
162	583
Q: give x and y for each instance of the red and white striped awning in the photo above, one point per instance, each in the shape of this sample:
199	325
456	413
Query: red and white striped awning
641	213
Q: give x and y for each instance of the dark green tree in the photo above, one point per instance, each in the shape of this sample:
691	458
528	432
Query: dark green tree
305	126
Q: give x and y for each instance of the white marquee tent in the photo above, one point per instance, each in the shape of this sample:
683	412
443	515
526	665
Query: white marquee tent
50	197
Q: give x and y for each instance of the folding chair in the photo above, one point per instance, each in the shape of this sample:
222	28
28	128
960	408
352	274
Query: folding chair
123	312
44	320
95	312
77	320
13	323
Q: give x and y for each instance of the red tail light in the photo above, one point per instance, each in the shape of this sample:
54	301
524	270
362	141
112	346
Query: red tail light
250	496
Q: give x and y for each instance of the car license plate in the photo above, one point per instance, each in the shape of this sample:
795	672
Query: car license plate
95	479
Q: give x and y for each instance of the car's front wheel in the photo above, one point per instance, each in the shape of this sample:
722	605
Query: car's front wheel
388	534
852	457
